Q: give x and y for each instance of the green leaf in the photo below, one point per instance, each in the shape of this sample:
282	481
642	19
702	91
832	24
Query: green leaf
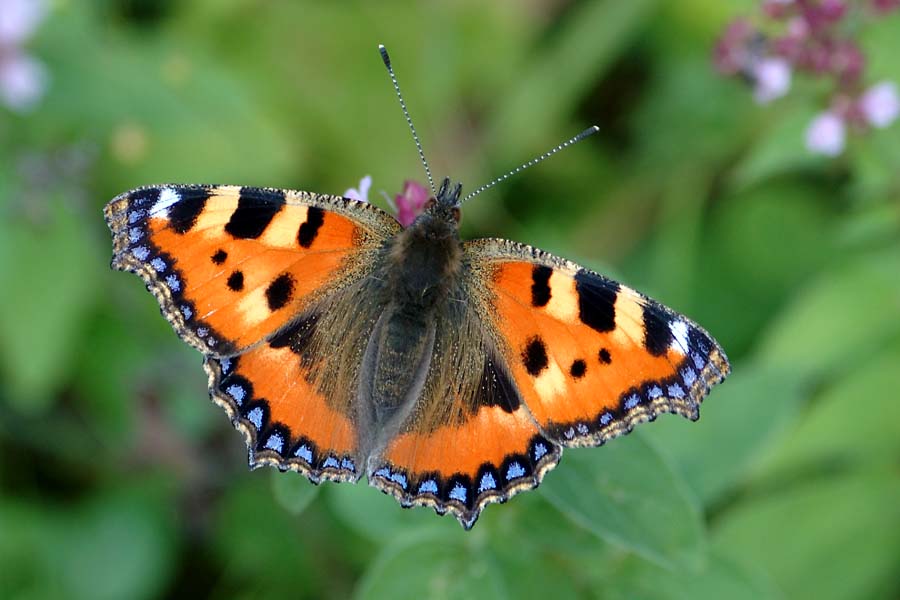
591	37
541	553
293	491
253	535
826	538
839	430
49	276
628	495
430	566
780	148
118	545
719	577
26	569
742	417
378	516
846	314
168	110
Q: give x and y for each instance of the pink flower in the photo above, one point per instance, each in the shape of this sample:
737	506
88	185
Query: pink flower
832	10
730	52
361	194
847	61
777	9
880	104
411	203
407	206
883	6
826	134
23	79
772	78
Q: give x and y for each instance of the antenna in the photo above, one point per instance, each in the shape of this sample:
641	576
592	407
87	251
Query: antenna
387	63
587	132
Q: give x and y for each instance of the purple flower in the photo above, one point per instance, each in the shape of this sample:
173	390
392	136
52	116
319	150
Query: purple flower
406	206
826	134
411	203
731	51
772	78
361	194
777	9
817	39
847	62
880	104
832	11
23	79
883	6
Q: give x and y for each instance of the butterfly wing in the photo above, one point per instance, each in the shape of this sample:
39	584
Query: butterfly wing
293	396
537	354
265	283
590	356
469	441
230	265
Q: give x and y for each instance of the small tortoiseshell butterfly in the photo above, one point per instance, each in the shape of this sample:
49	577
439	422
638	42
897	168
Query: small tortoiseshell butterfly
450	373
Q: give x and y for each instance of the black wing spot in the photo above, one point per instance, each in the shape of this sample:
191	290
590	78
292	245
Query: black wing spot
280	291
219	257
256	209
315	217
296	336
534	357
604	356
496	389
657	334
578	369
184	213
540	285
596	301
236	281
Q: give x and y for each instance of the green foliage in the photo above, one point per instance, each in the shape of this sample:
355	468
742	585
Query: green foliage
119	480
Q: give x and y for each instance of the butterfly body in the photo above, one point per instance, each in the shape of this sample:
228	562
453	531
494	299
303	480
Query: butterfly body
449	373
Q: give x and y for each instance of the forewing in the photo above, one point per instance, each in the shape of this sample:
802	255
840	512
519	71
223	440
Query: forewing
590	357
274	288
230	265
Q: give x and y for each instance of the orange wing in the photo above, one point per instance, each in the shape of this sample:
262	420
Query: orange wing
537	354
469	441
230	265
286	420
264	282
590	357
466	447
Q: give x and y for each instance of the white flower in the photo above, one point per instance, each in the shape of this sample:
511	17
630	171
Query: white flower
22	81
880	104
361	194
22	78
773	79
826	134
19	19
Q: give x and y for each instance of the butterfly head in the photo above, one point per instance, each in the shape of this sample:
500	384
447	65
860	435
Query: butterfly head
441	212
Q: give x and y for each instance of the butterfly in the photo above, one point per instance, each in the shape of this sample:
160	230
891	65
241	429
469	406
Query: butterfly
449	373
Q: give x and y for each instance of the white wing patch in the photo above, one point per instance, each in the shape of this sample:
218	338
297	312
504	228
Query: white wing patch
167	197
679	331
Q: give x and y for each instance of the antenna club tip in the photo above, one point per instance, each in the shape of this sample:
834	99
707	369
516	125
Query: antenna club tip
594	128
384	55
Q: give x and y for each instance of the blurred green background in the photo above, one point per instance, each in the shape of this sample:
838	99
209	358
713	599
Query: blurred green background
119	479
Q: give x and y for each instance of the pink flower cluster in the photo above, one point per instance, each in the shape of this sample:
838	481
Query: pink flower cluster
811	37
407	205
